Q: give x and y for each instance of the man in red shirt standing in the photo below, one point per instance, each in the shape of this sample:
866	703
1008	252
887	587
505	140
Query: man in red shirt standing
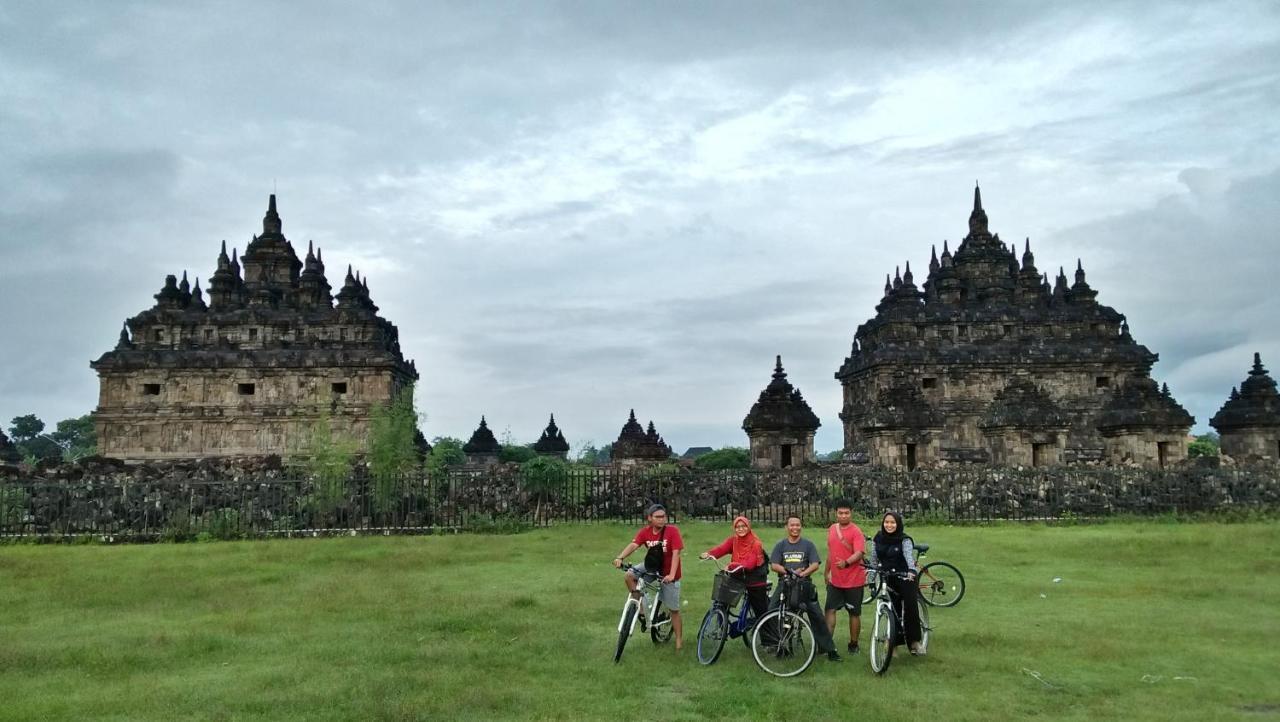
845	575
662	542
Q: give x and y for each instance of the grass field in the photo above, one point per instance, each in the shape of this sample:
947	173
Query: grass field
1150	621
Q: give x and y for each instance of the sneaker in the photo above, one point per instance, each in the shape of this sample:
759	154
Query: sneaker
853	648
917	649
834	656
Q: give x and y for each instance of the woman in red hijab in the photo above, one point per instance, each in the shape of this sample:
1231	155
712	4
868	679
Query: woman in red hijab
748	558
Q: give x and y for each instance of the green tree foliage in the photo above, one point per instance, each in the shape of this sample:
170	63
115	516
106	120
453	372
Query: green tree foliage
1204	445
545	477
446	453
326	459
27	435
25	428
836	455
392	451
76	437
516	453
730	457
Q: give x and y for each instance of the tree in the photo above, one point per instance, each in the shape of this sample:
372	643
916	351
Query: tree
836	455
1204	445
446	453
543	477
730	457
76	437
25	428
393	449
27	436
516	453
326	457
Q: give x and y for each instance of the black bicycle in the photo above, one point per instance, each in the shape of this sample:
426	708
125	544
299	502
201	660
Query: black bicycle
729	616
887	622
782	642
941	583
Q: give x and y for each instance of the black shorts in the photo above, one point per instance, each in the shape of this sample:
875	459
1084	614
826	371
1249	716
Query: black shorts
841	598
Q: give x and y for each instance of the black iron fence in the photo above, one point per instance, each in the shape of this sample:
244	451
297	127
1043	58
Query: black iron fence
125	508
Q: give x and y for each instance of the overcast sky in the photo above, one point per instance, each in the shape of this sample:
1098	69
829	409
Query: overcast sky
588	207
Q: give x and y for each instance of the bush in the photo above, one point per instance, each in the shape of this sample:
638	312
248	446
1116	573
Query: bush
726	458
517	454
223	525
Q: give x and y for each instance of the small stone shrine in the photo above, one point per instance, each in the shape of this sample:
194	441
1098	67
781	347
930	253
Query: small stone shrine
482	448
252	370
989	362
636	446
1249	422
552	442
781	426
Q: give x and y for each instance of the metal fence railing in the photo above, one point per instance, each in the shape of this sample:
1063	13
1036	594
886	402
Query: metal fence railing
266	505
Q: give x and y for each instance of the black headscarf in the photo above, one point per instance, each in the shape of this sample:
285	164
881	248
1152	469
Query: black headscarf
889	546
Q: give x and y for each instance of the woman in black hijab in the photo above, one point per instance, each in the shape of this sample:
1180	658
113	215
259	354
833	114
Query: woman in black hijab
895	551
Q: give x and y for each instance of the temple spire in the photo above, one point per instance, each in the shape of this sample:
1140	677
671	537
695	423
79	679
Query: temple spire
1257	369
271	221
977	197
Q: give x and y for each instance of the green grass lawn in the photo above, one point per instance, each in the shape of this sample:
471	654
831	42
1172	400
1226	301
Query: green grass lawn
1150	621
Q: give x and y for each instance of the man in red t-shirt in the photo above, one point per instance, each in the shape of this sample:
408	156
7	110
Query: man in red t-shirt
659	533
845	574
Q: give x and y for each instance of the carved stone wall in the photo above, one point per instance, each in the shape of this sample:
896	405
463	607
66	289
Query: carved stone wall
967	369
252	373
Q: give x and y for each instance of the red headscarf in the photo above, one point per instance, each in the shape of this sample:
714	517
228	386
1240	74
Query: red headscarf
745	547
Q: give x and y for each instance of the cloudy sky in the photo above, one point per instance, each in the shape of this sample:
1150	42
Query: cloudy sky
588	207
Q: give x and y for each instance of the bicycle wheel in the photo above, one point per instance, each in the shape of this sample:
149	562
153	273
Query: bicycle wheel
870	588
624	629
783	643
880	651
941	584
660	628
711	635
925	625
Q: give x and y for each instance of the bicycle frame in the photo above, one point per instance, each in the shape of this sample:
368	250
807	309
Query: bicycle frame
649	585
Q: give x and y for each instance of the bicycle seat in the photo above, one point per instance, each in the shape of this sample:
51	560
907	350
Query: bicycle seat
922	548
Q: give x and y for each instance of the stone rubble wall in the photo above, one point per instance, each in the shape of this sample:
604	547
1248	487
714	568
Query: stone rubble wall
264	496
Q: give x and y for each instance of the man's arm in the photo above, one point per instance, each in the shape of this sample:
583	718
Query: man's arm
809	569
626	552
675	566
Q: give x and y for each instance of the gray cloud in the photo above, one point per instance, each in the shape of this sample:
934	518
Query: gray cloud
582	207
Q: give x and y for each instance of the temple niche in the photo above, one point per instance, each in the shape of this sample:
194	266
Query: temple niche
637	446
780	425
482	449
253	369
988	362
1249	422
552	441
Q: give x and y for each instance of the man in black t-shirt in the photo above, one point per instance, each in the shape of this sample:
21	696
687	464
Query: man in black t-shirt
799	555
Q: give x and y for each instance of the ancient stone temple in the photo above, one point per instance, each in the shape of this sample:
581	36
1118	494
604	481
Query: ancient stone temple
989	362
552	442
1249	422
251	370
637	446
482	448
9	453
780	425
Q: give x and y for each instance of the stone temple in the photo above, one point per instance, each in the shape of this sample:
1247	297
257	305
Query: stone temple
552	441
990	363
1249	422
637	446
780	425
250	371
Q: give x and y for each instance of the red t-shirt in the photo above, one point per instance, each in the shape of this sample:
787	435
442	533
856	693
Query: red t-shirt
838	550
671	544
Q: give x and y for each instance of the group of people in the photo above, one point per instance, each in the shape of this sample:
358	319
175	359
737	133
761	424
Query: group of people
845	570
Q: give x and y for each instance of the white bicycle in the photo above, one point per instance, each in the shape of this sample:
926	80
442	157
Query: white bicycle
887	621
644	609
